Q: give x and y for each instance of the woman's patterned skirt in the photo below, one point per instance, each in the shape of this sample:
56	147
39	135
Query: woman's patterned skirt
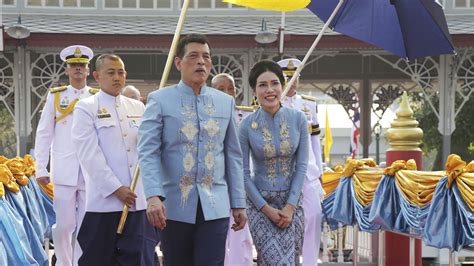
276	246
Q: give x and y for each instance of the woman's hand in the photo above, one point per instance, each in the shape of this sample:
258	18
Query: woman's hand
286	215
272	213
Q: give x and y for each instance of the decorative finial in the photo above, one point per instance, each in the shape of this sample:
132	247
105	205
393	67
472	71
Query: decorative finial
404	133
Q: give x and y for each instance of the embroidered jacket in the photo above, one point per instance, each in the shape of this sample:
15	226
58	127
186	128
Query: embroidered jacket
189	150
279	147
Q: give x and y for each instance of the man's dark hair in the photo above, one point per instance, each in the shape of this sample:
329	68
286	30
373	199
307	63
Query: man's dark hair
197	38
264	66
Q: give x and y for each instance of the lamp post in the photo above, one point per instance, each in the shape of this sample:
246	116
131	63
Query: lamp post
264	36
377	132
20	32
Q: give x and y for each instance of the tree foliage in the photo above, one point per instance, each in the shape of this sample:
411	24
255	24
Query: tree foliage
7	133
461	138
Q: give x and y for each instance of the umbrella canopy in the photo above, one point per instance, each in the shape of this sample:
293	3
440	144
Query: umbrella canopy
407	28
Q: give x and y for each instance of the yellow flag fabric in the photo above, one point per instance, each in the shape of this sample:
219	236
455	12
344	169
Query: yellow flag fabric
278	5
327	140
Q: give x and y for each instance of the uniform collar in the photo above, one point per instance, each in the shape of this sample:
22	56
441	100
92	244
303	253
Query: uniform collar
107	98
79	89
184	88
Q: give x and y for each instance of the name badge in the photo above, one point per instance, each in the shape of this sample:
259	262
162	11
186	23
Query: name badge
100	116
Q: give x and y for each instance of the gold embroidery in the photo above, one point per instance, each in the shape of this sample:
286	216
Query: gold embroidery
185	186
207	183
209	160
212	127
209	107
269	153
285	149
188	162
189	130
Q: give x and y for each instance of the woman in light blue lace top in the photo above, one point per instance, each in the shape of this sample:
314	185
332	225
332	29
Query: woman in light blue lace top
277	140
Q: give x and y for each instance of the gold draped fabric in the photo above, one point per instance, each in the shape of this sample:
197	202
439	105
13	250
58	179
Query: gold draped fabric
7	180
365	178
47	189
365	183
330	182
463	174
17	167
30	165
418	186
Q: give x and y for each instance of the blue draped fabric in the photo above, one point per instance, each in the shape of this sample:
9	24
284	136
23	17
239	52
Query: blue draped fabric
362	214
50	214
386	209
20	229
347	210
32	210
327	206
414	216
38	198
11	250
450	222
343	209
17	202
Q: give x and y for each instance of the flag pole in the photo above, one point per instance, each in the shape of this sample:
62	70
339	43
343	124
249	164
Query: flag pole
164	79
311	49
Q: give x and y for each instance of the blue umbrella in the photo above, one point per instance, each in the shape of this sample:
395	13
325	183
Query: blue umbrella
407	28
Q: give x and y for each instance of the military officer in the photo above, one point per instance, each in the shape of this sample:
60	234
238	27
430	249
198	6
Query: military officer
191	162
312	188
239	243
104	133
53	140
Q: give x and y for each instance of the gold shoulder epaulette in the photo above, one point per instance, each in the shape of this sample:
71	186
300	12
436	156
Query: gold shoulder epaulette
57	89
309	98
93	91
244	108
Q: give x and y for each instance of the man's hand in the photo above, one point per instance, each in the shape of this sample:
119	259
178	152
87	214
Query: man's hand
43	180
240	219
156	212
125	195
272	213
286	216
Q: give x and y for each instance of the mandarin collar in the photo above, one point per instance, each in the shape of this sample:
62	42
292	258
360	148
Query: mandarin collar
264	114
107	98
183	87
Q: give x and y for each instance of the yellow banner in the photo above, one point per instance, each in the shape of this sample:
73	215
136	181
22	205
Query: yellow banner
281	5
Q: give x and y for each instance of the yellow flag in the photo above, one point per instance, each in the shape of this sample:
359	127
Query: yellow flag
327	139
274	5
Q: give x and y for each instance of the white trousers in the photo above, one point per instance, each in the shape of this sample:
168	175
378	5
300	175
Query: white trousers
312	195
238	250
69	205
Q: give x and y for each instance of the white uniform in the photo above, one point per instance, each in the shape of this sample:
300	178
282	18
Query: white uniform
312	189
104	133
239	245
53	137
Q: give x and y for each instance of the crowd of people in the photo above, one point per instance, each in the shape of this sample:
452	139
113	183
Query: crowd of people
215	180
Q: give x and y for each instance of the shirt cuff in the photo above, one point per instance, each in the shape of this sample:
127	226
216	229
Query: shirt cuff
238	203
293	198
40	173
154	191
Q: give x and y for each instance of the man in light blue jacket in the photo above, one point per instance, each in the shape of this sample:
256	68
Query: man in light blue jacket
191	162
